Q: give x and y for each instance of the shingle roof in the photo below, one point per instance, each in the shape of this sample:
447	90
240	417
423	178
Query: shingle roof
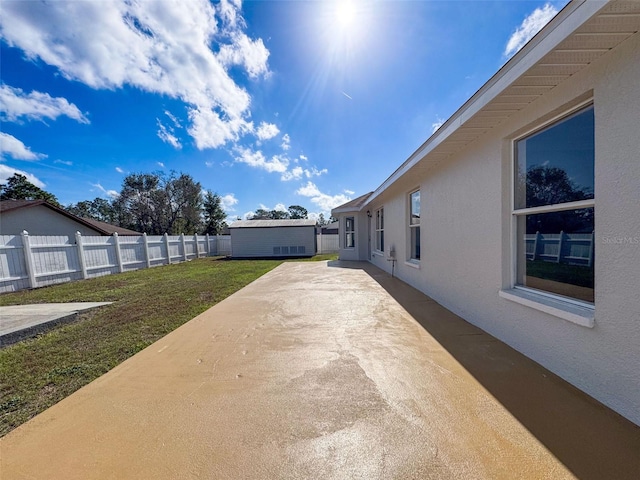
353	205
272	223
101	227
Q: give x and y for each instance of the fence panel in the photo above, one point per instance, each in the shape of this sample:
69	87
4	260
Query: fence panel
328	243
55	259
99	256
132	252
13	271
572	248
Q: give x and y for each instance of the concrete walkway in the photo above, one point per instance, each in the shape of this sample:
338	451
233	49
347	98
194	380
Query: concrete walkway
332	371
22	321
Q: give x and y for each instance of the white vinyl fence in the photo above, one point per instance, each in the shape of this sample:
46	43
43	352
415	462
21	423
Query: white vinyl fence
35	261
327	243
572	248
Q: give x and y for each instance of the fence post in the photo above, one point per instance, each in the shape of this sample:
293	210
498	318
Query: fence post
592	248
535	245
145	243
28	259
184	247
83	266
560	246
118	253
166	242
195	239
208	245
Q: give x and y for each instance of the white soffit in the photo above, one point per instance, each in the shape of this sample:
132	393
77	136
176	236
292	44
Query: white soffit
581	33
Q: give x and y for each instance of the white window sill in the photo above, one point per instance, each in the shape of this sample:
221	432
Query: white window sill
377	253
413	264
582	315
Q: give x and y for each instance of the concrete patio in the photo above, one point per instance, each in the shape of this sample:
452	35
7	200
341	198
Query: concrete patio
326	370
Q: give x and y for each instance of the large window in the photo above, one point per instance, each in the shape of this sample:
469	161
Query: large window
349	232
554	207
380	230
414	225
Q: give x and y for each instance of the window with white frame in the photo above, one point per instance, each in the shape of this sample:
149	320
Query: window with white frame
554	205
414	225
349	232
380	230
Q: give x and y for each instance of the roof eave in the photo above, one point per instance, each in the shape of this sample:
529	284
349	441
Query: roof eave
570	18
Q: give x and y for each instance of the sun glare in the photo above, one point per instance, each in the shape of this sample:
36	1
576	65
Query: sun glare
345	14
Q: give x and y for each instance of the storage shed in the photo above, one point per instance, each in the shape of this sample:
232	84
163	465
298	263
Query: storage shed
273	238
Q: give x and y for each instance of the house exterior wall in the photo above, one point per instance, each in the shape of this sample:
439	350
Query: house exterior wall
259	242
40	220
360	250
466	242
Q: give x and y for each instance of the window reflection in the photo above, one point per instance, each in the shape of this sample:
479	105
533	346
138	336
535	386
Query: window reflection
556	252
556	165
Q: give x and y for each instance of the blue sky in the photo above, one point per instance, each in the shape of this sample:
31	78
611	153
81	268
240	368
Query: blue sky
267	103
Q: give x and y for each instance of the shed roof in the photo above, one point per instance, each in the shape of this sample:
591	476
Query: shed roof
582	32
272	223
101	227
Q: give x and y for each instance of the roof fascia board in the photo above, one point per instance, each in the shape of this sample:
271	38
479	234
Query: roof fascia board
570	18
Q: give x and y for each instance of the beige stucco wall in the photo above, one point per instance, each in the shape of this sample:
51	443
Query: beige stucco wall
40	220
466	239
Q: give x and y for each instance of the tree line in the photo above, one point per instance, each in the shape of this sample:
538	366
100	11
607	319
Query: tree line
154	203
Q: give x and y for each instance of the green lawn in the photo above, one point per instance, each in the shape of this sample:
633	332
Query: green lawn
148	304
561	272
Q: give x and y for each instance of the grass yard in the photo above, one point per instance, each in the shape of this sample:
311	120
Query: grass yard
37	373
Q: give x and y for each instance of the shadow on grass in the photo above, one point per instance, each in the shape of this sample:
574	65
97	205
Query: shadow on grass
590	439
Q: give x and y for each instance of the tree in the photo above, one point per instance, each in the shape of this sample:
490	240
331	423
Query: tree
296	211
214	215
321	221
263	214
19	188
155	203
550	186
97	209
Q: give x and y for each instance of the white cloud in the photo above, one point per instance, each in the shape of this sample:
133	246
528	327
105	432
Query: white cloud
64	162
163	48
14	148
15	104
531	25
251	54
257	160
267	131
175	121
119	170
286	142
247	215
209	164
7	172
298	172
166	135
109	193
228	201
349	192
437	124
324	201
293	174
302	157
160	164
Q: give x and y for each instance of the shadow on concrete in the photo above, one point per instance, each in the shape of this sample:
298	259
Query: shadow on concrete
591	440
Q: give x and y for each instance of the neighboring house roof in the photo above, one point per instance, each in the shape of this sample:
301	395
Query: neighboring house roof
101	227
272	223
573	39
353	205
107	228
